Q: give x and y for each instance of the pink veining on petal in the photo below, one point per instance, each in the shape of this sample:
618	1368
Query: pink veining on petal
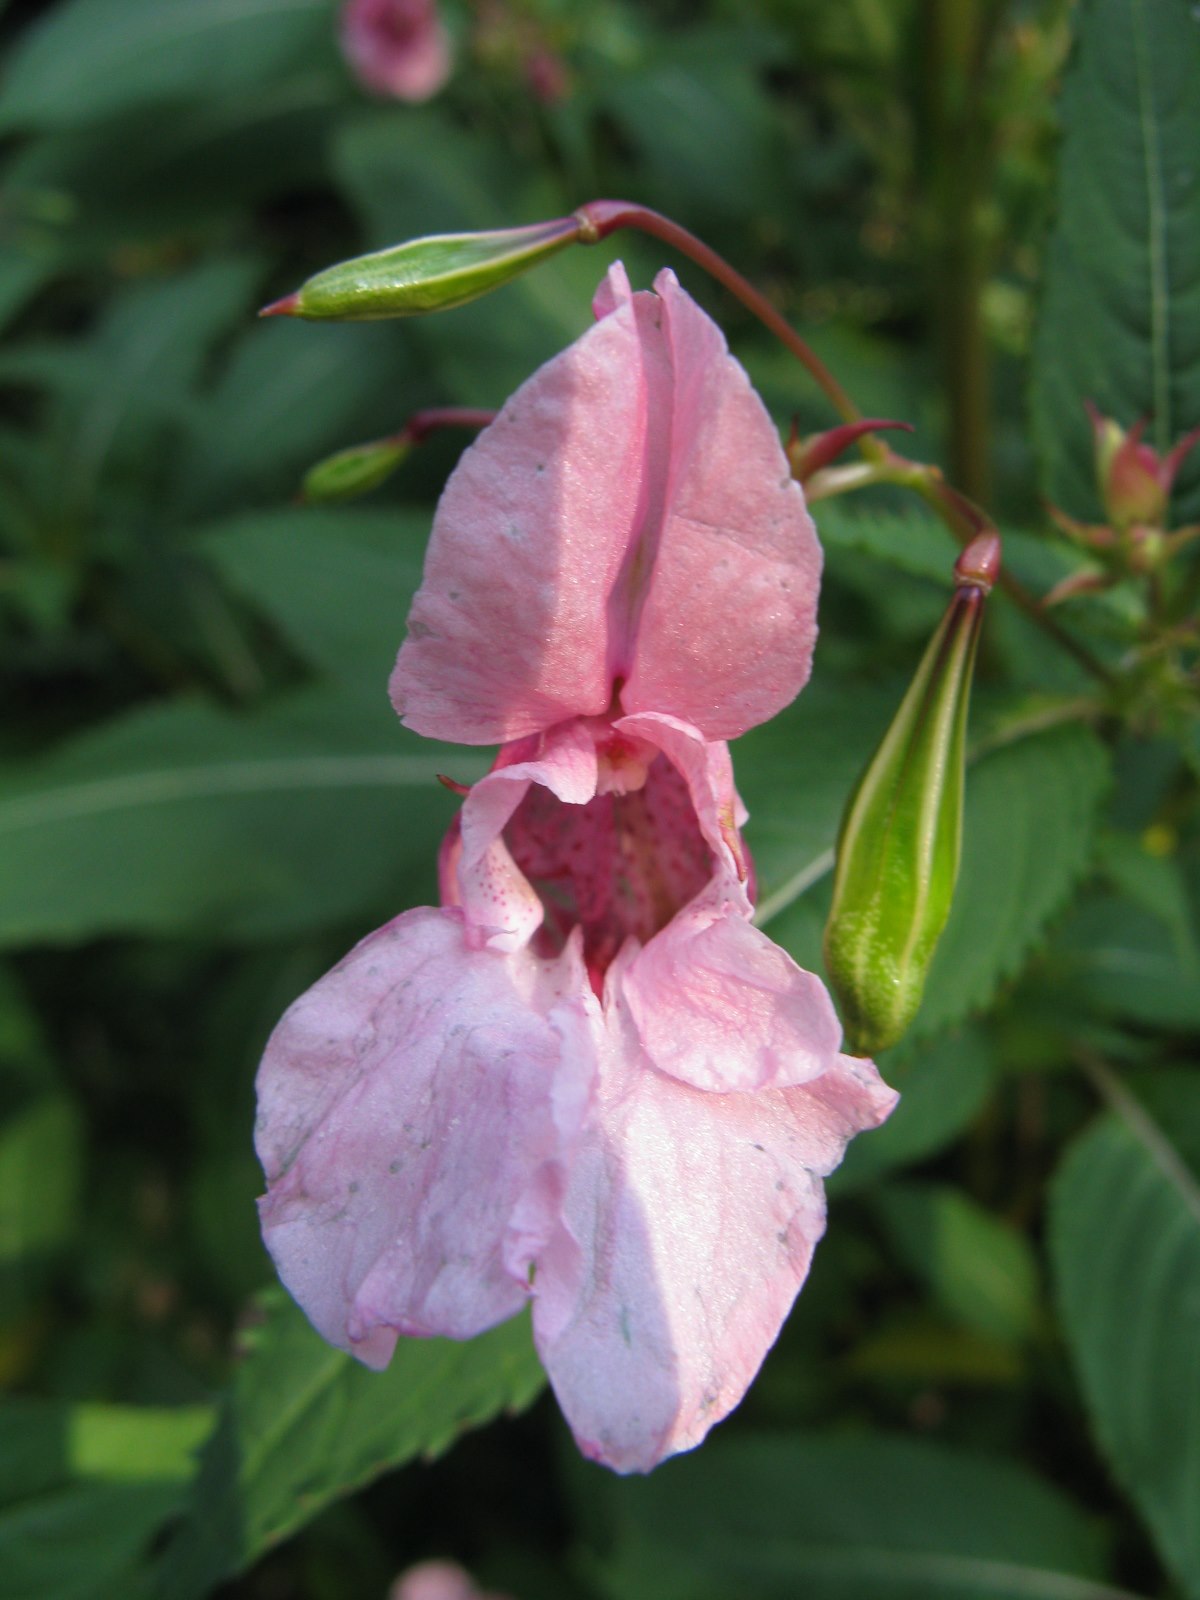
397	48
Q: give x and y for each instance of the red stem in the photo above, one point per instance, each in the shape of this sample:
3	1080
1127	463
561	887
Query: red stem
422	423
599	218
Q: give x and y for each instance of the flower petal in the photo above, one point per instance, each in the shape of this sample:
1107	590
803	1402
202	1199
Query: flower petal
691	1220
708	771
501	905
727	627
508	632
628	521
414	1107
718	1005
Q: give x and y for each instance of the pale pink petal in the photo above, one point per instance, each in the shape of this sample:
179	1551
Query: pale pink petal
708	772
727	625
508	632
438	1580
613	290
627	524
414	1107
398	48
434	1580
719	1006
502	908
690	1221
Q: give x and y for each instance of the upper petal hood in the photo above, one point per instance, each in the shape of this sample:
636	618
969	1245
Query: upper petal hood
628	516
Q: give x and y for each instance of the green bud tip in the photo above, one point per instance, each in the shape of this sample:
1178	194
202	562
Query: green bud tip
354	471
898	851
424	275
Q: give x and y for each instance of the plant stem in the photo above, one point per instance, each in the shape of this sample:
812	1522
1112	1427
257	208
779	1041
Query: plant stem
599	218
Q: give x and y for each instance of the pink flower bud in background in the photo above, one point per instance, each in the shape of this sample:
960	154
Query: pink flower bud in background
1135	481
547	76
438	1580
397	48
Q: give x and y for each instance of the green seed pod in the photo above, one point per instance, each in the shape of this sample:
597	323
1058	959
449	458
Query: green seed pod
898	851
354	471
424	275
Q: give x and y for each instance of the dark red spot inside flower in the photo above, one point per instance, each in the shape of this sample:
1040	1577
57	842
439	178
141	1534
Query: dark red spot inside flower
620	866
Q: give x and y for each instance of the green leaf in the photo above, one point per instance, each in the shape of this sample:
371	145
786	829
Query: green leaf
40	1174
1156	884
185	818
980	1270
1028	837
289	395
1120	321
1125	1247
123	1444
83	1489
943	1087
89	58
865	1518
119	390
439	179
337	582
142	178
1118	960
695	114
910	541
306	1424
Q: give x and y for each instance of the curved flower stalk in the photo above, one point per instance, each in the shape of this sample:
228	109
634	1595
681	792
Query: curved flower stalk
585	1079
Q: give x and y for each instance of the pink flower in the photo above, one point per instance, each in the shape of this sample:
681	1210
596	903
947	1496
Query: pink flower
1135	481
437	1580
397	48
586	1080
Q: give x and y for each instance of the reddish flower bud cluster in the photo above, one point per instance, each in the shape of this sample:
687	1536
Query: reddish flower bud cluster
1135	483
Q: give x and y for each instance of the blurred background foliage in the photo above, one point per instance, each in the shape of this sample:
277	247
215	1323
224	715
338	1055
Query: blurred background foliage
990	1386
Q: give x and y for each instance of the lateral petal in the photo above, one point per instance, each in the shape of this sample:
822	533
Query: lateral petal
720	1006
415	1105
690	1222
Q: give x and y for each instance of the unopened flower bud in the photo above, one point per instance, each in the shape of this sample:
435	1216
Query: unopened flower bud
816	450
362	467
1135	481
354	471
422	275
898	851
